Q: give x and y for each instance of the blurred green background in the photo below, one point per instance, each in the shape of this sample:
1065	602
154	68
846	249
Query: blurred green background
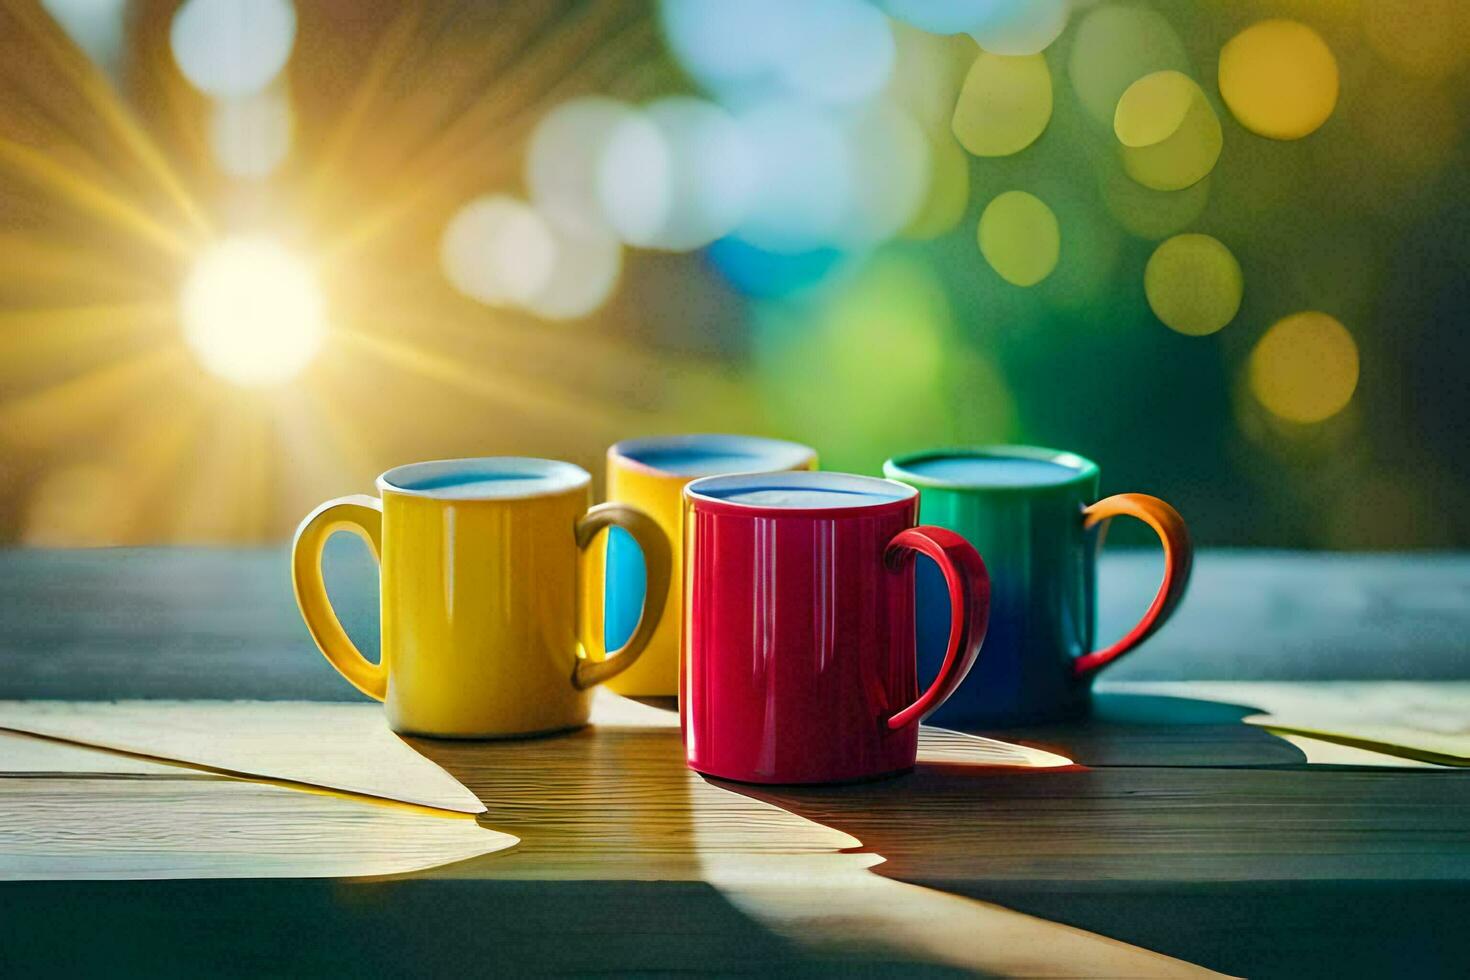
434	266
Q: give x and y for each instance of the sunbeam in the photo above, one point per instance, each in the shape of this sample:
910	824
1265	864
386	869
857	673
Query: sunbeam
86	195
58	413
35	341
498	122
77	69
510	392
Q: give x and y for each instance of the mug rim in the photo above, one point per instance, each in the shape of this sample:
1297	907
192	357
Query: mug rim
797	454
695	495
550	477
1082	469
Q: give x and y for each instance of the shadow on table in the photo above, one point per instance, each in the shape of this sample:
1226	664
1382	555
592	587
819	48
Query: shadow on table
1217	866
1127	729
300	927
612	810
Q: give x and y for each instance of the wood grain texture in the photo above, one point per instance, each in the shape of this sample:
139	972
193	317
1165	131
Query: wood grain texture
616	801
200	623
1153	824
611	801
1279	869
161	827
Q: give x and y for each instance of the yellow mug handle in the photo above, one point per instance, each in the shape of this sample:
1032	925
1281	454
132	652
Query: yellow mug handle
657	560
363	516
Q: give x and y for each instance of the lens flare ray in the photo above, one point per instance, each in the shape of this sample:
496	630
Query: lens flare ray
80	71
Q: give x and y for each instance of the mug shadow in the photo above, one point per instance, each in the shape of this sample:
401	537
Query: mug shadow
611	820
1127	729
1126	843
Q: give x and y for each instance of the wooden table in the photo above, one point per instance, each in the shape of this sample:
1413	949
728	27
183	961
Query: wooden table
1204	840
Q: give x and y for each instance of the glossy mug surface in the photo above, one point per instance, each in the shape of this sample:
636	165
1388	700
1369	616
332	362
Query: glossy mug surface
1031	512
479	592
799	626
651	474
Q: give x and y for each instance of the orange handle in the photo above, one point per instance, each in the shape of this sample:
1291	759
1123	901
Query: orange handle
969	601
1178	560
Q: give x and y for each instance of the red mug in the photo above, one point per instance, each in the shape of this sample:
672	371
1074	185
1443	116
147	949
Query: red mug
799	662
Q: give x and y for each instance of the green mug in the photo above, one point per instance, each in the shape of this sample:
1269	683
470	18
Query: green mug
1035	517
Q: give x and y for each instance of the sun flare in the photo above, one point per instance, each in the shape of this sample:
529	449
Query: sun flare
253	312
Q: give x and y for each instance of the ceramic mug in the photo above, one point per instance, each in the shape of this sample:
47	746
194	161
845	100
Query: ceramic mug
651	474
1031	511
480	576
799	626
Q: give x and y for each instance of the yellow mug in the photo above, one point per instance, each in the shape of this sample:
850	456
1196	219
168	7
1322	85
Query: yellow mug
481	568
650	474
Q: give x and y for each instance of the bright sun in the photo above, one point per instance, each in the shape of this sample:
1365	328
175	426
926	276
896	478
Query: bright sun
252	312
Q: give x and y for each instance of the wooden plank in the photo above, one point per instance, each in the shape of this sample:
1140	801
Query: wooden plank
1269	928
192	623
1152	824
157	827
345	747
614	801
617	802
403	928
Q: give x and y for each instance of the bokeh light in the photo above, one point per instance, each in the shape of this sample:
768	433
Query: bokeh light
1153	108
1020	238
1020	27
564	160
842	51
1305	368
723	43
1193	284
250	136
584	274
95	25
1170	135
889	164
676	176
1426	37
1000	26
802	169
1279	79
940	16
252	311
804	174
232	48
1148	213
825	52
767	275
1004	105
877	353
948	194
1113	46
928	70
499	250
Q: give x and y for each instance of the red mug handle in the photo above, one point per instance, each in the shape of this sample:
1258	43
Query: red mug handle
969	600
1178	560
